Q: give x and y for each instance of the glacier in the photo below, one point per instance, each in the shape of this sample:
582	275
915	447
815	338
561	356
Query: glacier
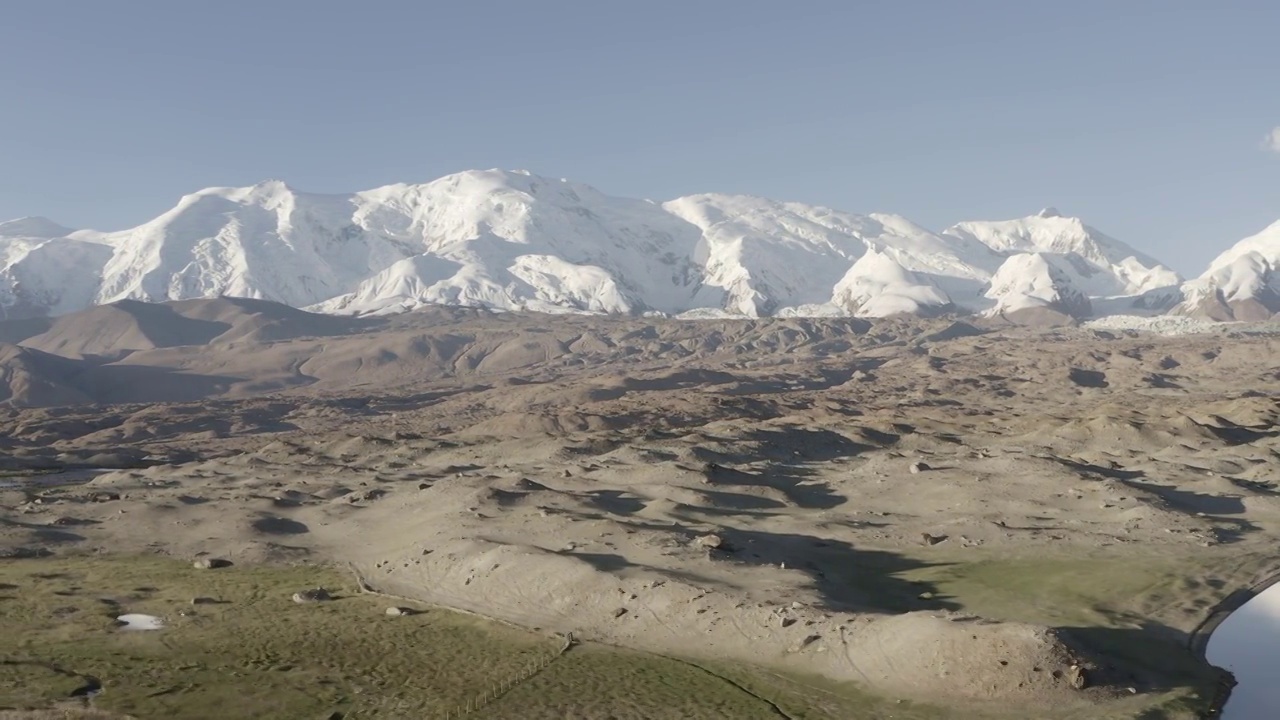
516	241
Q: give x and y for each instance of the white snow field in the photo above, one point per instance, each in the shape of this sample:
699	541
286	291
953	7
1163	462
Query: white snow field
511	240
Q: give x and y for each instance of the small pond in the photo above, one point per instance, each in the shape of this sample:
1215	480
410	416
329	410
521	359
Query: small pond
1248	644
139	621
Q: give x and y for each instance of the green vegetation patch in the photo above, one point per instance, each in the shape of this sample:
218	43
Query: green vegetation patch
253	653
1132	607
256	654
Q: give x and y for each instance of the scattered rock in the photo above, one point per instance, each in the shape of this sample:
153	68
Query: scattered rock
809	640
210	563
619	612
932	539
711	541
313	595
104	497
66	521
528	485
919	467
398	612
788	622
1078	677
203	601
365	495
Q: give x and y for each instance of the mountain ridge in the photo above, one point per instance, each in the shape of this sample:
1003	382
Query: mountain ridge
516	241
1241	284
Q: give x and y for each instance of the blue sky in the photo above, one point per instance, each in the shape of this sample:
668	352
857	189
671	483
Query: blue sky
1148	118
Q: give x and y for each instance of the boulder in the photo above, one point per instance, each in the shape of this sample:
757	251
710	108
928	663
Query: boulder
312	595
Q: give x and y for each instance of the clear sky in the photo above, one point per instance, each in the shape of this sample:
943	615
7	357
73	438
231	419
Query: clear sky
1151	119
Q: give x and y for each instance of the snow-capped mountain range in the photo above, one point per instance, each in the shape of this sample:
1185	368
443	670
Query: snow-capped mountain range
1242	283
516	241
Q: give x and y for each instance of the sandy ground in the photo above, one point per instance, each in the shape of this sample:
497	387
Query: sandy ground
777	491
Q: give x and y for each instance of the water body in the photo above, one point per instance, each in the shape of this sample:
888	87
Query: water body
1248	644
138	621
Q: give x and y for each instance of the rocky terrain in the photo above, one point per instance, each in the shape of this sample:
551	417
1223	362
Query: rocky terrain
962	512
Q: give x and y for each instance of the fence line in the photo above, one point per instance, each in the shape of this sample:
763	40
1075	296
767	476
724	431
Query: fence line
502	687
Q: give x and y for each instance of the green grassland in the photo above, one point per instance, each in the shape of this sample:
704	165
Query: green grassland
257	654
1132	607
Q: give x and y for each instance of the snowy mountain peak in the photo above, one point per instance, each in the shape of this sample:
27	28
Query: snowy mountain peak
879	286
513	240
33	227
760	256
1265	243
1036	282
1242	283
1049	212
1101	265
262	193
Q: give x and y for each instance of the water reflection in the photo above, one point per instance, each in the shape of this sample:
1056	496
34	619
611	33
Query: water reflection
1248	644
